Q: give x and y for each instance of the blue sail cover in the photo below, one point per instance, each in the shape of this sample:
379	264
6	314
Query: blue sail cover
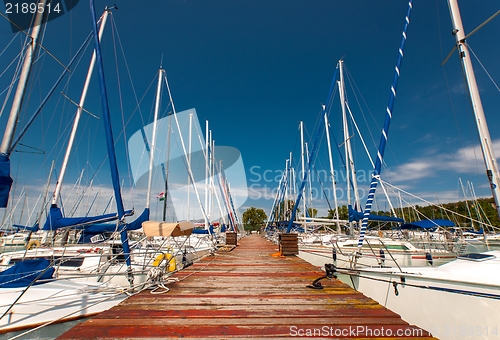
428	224
479	232
23	273
355	216
34	228
55	220
107	228
137	223
5	180
210	230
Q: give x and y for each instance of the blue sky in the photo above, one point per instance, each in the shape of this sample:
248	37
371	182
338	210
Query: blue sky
255	69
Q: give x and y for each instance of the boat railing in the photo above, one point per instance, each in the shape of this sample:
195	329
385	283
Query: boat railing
388	252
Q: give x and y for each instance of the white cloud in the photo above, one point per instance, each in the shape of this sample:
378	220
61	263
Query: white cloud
466	160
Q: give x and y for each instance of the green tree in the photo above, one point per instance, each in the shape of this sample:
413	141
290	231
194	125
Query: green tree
312	212
343	213
253	218
284	209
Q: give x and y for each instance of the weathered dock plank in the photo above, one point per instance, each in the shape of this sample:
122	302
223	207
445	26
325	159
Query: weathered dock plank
247	293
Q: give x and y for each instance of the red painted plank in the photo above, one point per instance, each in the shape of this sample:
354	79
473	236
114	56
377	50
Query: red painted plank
247	293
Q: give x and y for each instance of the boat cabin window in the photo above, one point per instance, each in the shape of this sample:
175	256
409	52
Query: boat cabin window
476	257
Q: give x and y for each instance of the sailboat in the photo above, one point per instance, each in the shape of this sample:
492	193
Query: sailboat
459	299
81	259
377	250
30	295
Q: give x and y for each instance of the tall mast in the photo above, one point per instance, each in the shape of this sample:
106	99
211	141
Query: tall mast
385	131
8	137
23	80
303	163
311	157
310	184
482	127
79	111
184	150
332	174
207	222
189	163
113	166
350	170
153	138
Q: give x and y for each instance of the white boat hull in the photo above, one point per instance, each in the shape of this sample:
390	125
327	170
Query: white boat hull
55	301
451	301
319	255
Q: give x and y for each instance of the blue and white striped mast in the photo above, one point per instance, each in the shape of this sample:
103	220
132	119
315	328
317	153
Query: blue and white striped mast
385	130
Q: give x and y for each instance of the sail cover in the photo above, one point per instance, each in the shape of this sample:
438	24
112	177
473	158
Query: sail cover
355	216
55	220
23	273
165	229
428	224
5	180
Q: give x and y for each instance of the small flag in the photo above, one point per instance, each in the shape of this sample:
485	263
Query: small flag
161	196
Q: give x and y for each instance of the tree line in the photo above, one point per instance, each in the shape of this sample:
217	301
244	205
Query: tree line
461	213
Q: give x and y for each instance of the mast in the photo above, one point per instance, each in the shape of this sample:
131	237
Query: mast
210	174
153	138
189	162
303	163
285	201
78	115
190	172
477	106
385	130
110	147
311	157
165	168
207	222
8	137
350	170
332	174
310	186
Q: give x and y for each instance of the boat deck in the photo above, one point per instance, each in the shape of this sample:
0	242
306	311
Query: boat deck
248	292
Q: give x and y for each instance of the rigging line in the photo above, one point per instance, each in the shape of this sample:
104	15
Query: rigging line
484	69
43	102
383	139
322	187
10	42
114	31
38	151
471	33
8	89
355	91
9	65
94	176
39	44
448	290
431	203
138	102
20	58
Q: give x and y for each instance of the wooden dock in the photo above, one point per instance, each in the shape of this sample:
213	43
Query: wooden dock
248	293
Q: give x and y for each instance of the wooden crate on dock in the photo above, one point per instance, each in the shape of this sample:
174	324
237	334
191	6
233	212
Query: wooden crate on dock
231	239
289	244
